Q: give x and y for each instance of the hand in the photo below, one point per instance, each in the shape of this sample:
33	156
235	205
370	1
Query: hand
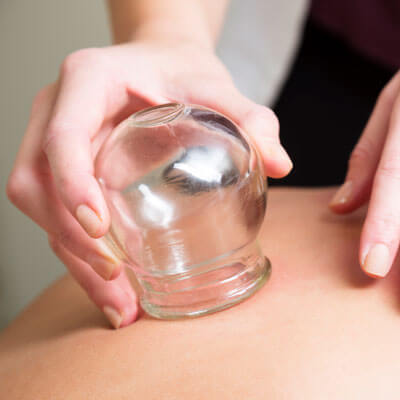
374	174
52	180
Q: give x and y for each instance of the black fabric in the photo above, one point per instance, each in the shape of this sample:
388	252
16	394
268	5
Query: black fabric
324	106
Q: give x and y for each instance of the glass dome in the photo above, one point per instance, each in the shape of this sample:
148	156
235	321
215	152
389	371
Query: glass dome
187	196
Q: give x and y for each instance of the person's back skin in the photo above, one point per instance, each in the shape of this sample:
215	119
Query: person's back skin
319	329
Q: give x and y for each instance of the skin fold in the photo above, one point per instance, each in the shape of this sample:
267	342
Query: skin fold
319	329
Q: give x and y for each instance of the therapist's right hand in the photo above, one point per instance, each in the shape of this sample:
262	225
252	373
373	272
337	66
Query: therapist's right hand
53	179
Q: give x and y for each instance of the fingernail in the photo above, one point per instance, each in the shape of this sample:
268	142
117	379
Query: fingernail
105	262
89	220
105	267
343	194
113	316
376	263
277	152
106	252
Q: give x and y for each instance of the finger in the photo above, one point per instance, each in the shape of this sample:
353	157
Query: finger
366	155
381	232
78	115
52	216
31	189
259	122
116	299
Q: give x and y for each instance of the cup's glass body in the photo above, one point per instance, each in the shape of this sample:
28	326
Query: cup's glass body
187	196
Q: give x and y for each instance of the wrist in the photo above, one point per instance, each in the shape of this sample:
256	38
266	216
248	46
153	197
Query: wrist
162	31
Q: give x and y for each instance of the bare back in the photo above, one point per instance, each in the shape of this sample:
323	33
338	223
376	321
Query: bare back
319	329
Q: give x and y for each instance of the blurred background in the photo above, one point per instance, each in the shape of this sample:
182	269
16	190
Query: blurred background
35	36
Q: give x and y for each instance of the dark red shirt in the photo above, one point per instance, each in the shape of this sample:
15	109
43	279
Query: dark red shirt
371	26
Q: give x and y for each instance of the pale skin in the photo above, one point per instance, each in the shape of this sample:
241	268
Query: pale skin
373	176
318	329
164	51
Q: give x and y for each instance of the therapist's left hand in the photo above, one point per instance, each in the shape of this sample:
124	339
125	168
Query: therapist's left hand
374	175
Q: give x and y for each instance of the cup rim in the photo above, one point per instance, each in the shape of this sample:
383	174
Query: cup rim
157	115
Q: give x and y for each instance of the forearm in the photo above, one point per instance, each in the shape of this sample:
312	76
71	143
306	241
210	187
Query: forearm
195	20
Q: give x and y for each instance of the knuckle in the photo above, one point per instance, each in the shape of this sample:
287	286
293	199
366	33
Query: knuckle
17	185
64	237
55	129
54	244
81	58
361	154
386	225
